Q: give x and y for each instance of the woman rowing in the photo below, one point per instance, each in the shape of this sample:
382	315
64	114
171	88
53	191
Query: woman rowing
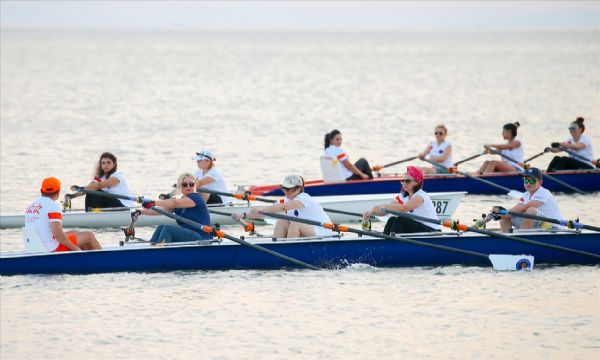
190	206
579	144
298	204
209	178
360	170
438	151
513	149
108	179
411	199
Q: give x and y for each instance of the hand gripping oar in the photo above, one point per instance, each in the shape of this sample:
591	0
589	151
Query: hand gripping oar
379	167
498	261
570	224
512	193
248	226
595	163
571	187
454	225
247	197
469	158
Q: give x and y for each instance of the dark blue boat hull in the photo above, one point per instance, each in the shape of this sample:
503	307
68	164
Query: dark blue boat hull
323	253
588	181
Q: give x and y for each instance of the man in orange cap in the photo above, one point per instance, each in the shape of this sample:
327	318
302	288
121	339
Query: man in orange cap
44	217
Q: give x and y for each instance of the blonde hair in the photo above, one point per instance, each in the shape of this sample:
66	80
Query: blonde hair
180	180
443	127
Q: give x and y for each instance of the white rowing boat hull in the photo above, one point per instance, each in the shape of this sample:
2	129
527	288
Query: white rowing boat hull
445	204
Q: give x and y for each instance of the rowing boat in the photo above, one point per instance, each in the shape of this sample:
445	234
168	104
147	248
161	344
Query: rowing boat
586	180
445	204
332	252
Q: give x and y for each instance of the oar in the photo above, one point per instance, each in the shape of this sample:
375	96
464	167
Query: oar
204	228
498	261
379	167
571	187
570	224
595	163
454	225
248	226
512	193
247	197
469	158
546	150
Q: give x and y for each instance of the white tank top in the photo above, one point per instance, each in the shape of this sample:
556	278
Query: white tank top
217	185
515	154
426	210
587	152
312	210
122	188
438	150
39	215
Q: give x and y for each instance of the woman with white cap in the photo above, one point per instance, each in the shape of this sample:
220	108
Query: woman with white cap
209	178
412	199
296	203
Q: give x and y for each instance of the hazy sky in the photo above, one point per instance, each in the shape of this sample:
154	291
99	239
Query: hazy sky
307	15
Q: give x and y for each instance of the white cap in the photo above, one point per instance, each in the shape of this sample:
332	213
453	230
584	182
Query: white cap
204	154
291	181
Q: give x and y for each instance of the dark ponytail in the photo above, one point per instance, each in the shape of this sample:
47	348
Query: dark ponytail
329	137
579	123
512	127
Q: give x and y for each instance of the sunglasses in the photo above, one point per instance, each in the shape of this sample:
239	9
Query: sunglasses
438	133
186	184
286	189
530	181
406	181
572	128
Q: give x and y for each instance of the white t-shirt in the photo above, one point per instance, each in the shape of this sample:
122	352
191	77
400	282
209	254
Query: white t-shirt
337	153
549	207
426	210
122	188
217	185
38	217
587	152
438	150
312	210
516	154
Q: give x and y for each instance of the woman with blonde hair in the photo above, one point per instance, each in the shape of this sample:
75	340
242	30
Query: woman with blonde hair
438	151
190	206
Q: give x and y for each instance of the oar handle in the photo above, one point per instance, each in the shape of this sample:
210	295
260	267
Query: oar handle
536	155
469	158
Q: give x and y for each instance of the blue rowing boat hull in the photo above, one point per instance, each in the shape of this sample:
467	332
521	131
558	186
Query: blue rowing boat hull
587	181
327	253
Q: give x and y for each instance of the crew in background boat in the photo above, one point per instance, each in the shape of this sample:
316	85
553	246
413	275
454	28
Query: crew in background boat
536	200
360	170
44	217
579	143
108	179
411	199
512	149
298	204
209	178
190	206
438	151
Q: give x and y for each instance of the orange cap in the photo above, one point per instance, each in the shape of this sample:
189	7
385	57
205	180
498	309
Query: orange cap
50	185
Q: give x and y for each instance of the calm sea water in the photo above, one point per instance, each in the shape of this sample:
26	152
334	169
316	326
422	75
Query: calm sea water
262	103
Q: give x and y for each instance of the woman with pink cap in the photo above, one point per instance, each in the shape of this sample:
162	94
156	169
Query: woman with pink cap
411	199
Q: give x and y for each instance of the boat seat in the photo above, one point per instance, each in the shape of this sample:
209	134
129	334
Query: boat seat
33	243
331	170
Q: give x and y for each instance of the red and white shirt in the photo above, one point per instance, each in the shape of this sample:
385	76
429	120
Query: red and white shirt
337	153
549	207
38	217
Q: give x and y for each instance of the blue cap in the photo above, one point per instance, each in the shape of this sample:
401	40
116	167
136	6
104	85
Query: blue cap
533	172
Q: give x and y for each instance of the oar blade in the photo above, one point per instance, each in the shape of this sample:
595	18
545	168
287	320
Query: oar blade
502	262
515	194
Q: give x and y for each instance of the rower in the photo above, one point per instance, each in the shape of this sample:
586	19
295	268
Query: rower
513	149
439	151
579	144
107	179
412	199
43	222
360	170
209	178
536	200
298	204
